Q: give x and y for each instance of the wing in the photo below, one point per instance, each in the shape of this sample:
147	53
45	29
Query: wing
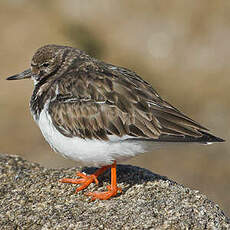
96	101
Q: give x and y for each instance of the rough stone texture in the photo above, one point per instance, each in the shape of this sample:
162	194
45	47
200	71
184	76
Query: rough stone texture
32	198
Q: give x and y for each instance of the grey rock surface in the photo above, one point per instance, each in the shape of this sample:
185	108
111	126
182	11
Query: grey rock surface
32	198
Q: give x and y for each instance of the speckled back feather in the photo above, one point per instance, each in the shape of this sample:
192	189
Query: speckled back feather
93	100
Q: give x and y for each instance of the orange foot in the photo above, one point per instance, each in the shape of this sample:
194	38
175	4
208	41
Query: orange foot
85	180
112	191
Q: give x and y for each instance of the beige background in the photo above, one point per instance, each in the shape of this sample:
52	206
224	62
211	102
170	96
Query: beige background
181	47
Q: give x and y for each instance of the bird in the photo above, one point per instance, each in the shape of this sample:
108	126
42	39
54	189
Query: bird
98	114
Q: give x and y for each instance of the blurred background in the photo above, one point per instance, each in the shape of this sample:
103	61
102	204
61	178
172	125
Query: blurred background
181	47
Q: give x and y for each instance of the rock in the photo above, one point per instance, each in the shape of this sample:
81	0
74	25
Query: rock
32	198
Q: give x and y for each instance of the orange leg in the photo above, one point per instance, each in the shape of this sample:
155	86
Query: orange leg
112	189
86	180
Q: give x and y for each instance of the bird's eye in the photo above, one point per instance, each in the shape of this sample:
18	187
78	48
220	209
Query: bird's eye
45	64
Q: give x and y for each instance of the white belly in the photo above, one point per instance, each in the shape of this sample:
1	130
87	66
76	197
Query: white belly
87	152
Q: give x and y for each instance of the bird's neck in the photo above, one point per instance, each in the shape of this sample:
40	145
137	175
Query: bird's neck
44	92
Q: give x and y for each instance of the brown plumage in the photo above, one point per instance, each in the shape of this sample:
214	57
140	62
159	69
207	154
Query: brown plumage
81	101
102	100
92	100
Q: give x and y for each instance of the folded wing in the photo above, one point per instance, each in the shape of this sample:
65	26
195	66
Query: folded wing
115	101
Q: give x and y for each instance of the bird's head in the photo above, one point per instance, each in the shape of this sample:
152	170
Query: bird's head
46	61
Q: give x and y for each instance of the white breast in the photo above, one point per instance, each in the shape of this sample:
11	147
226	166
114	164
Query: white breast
87	152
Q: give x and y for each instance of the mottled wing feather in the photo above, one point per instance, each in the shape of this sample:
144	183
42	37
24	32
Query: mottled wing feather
96	102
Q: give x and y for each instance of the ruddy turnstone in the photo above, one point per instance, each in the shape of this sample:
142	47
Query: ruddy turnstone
97	114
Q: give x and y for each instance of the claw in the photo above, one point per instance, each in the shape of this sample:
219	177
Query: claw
84	181
112	191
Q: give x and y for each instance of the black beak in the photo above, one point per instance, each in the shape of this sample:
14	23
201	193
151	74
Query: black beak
25	74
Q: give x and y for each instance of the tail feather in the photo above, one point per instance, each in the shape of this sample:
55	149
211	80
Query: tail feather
205	138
